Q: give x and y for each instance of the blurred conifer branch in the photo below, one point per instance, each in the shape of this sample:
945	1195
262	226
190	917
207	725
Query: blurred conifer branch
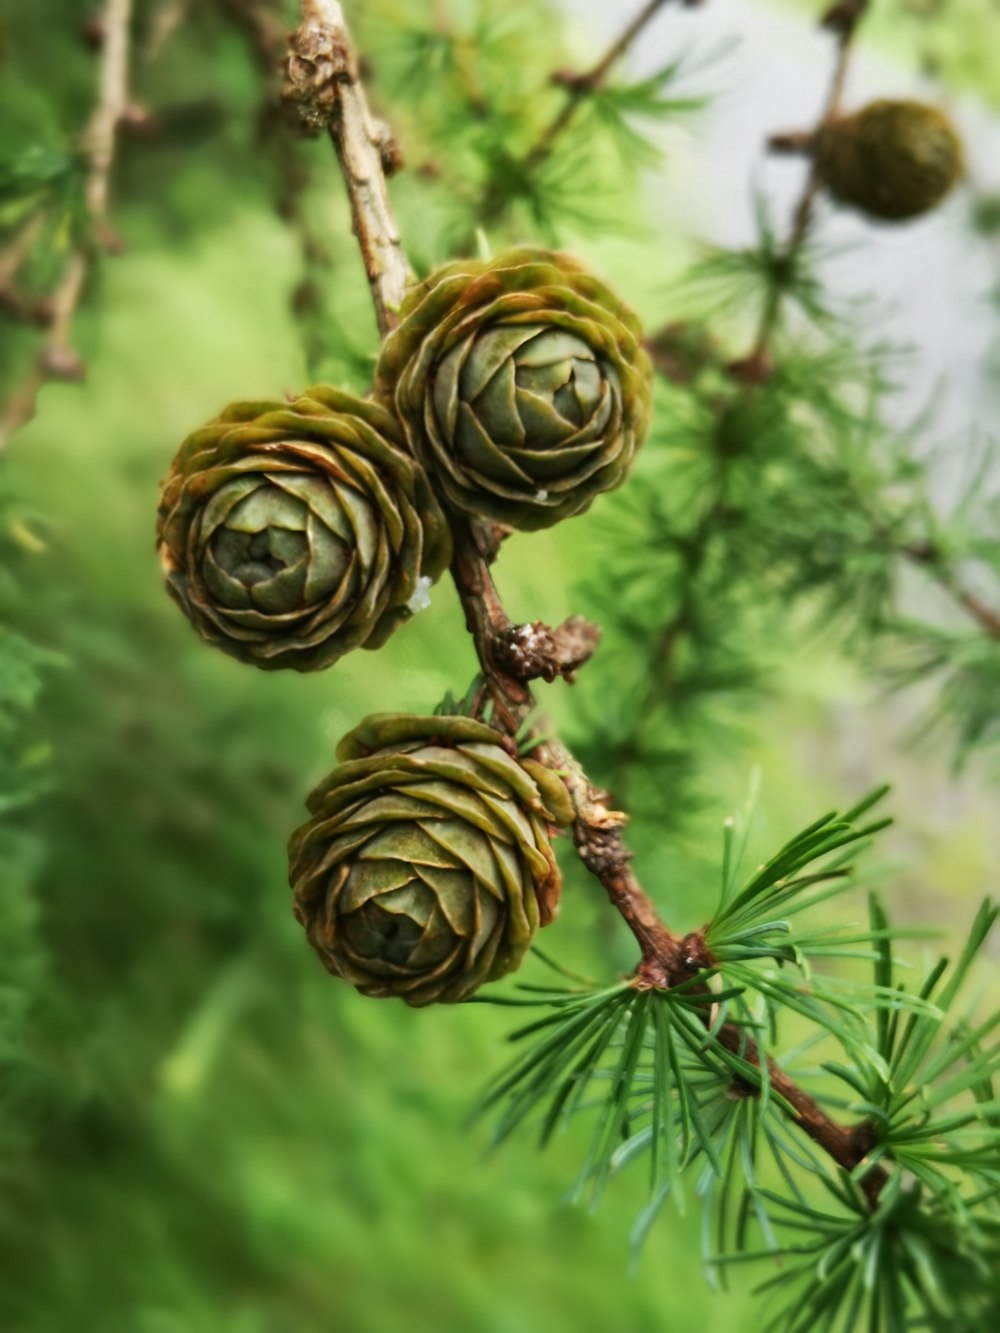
262	24
168	18
681	354
785	489
524	158
58	359
842	19
580	86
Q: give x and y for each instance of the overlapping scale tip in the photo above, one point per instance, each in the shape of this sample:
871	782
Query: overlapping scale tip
521	383
291	533
893	160
426	866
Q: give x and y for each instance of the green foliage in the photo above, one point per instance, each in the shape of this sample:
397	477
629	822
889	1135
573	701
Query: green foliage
909	1264
954	41
685	1080
41	187
24	776
777	502
196	1133
911	1090
22	760
474	100
744	926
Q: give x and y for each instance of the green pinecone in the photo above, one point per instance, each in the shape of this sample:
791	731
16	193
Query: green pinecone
426	866
890	160
521	383
291	533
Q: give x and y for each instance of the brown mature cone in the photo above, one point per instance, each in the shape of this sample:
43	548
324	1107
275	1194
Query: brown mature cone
291	533
427	865
521	384
891	160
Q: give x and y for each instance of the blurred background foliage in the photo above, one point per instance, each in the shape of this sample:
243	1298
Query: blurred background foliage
198	1129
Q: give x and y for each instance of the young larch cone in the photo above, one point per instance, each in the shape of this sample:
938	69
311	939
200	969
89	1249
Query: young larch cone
521	383
891	160
291	533
426	865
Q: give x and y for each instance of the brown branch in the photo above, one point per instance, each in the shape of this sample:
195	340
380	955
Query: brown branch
329	80
597	834
488	623
596	76
842	19
847	1145
667	959
12	261
597	829
171	15
324	84
58	359
579	86
929	557
511	655
670	960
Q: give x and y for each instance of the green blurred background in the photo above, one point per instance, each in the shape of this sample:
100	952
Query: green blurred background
199	1129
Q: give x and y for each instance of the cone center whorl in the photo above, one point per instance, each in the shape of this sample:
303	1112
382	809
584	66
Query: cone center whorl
376	934
255	557
561	369
272	553
511	390
402	926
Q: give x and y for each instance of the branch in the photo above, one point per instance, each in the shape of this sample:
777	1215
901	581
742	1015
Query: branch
12	261
488	623
670	960
929	557
511	654
327	82
579	86
58	359
597	834
842	19
323	83
847	1145
170	16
